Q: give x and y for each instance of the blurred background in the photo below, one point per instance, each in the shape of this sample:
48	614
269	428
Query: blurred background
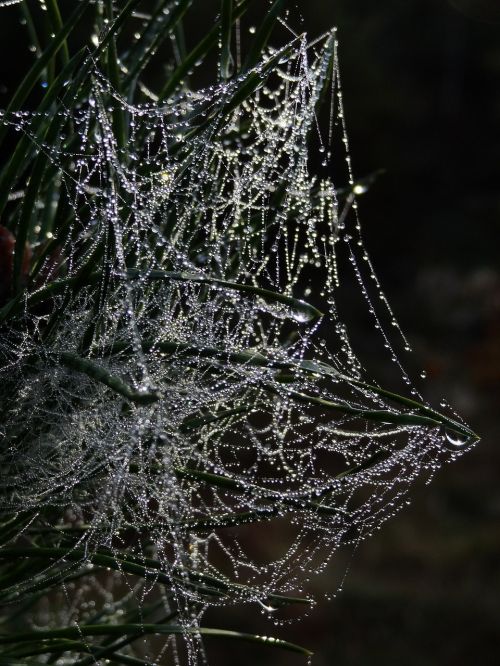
421	82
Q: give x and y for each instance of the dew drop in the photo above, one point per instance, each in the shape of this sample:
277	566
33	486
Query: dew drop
456	439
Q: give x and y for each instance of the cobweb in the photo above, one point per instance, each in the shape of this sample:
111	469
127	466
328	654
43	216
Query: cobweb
188	388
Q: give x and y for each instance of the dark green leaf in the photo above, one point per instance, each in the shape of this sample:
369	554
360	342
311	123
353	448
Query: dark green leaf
198	52
100	374
39	65
263	33
226	30
165	630
300	310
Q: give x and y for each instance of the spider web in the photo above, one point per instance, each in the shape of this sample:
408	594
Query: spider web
199	387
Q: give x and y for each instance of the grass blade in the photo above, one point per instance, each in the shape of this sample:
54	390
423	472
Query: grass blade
169	22
73	633
194	422
263	494
100	374
226	30
43	61
56	25
301	310
198	52
263	33
420	416
119	121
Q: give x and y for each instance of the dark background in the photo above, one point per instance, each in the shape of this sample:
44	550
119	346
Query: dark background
421	82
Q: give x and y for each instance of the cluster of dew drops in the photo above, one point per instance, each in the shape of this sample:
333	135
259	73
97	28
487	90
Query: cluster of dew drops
186	215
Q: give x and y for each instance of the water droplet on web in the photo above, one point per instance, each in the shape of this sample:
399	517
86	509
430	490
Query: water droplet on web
456	439
359	189
267	607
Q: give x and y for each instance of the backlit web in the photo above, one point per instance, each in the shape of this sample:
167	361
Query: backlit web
188	386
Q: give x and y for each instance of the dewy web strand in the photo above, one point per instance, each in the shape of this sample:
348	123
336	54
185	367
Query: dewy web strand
201	378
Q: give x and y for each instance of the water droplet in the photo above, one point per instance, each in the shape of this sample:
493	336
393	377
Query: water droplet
267	607
455	438
359	189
